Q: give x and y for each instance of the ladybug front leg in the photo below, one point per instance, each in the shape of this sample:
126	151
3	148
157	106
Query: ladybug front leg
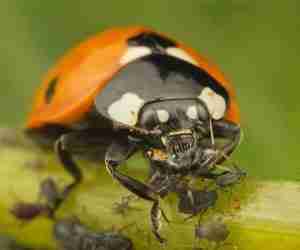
230	132
214	154
227	131
117	153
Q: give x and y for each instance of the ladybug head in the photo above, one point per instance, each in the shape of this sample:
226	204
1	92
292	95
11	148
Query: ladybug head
183	124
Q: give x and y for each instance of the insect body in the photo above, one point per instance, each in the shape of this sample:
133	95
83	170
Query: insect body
194	201
131	89
72	235
27	211
214	231
231	177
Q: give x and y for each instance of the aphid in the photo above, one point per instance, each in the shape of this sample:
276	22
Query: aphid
30	210
72	235
195	201
27	211
214	231
231	177
123	206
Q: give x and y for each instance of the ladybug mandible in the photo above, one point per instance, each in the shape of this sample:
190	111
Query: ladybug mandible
130	89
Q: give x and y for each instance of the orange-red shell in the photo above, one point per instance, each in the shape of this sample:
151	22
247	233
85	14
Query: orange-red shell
86	69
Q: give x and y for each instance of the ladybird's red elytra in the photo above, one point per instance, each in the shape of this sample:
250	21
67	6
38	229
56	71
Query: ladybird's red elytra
79	75
130	89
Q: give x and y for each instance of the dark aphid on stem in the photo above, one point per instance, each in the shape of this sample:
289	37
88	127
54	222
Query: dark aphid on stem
214	231
231	177
72	235
28	211
123	206
194	201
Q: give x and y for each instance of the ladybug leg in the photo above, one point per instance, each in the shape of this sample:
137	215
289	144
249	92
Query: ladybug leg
208	173
117	153
232	132
61	149
229	131
65	146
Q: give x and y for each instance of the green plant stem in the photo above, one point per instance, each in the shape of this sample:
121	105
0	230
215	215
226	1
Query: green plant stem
260	215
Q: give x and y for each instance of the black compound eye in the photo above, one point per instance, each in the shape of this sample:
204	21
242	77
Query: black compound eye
148	119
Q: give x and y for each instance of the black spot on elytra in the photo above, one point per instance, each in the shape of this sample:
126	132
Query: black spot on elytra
51	90
151	40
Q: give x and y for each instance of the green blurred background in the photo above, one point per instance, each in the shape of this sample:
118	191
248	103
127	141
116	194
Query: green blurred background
256	44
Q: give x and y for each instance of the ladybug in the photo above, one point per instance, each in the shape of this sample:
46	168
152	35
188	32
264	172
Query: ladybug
130	89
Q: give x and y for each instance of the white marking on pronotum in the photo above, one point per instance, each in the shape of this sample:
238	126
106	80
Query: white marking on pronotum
191	112
126	109
215	103
163	115
181	54
133	53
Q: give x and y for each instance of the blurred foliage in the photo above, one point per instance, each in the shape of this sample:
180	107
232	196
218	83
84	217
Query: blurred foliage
256	43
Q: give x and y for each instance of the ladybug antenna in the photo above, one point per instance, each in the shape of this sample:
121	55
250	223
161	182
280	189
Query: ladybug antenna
212	137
